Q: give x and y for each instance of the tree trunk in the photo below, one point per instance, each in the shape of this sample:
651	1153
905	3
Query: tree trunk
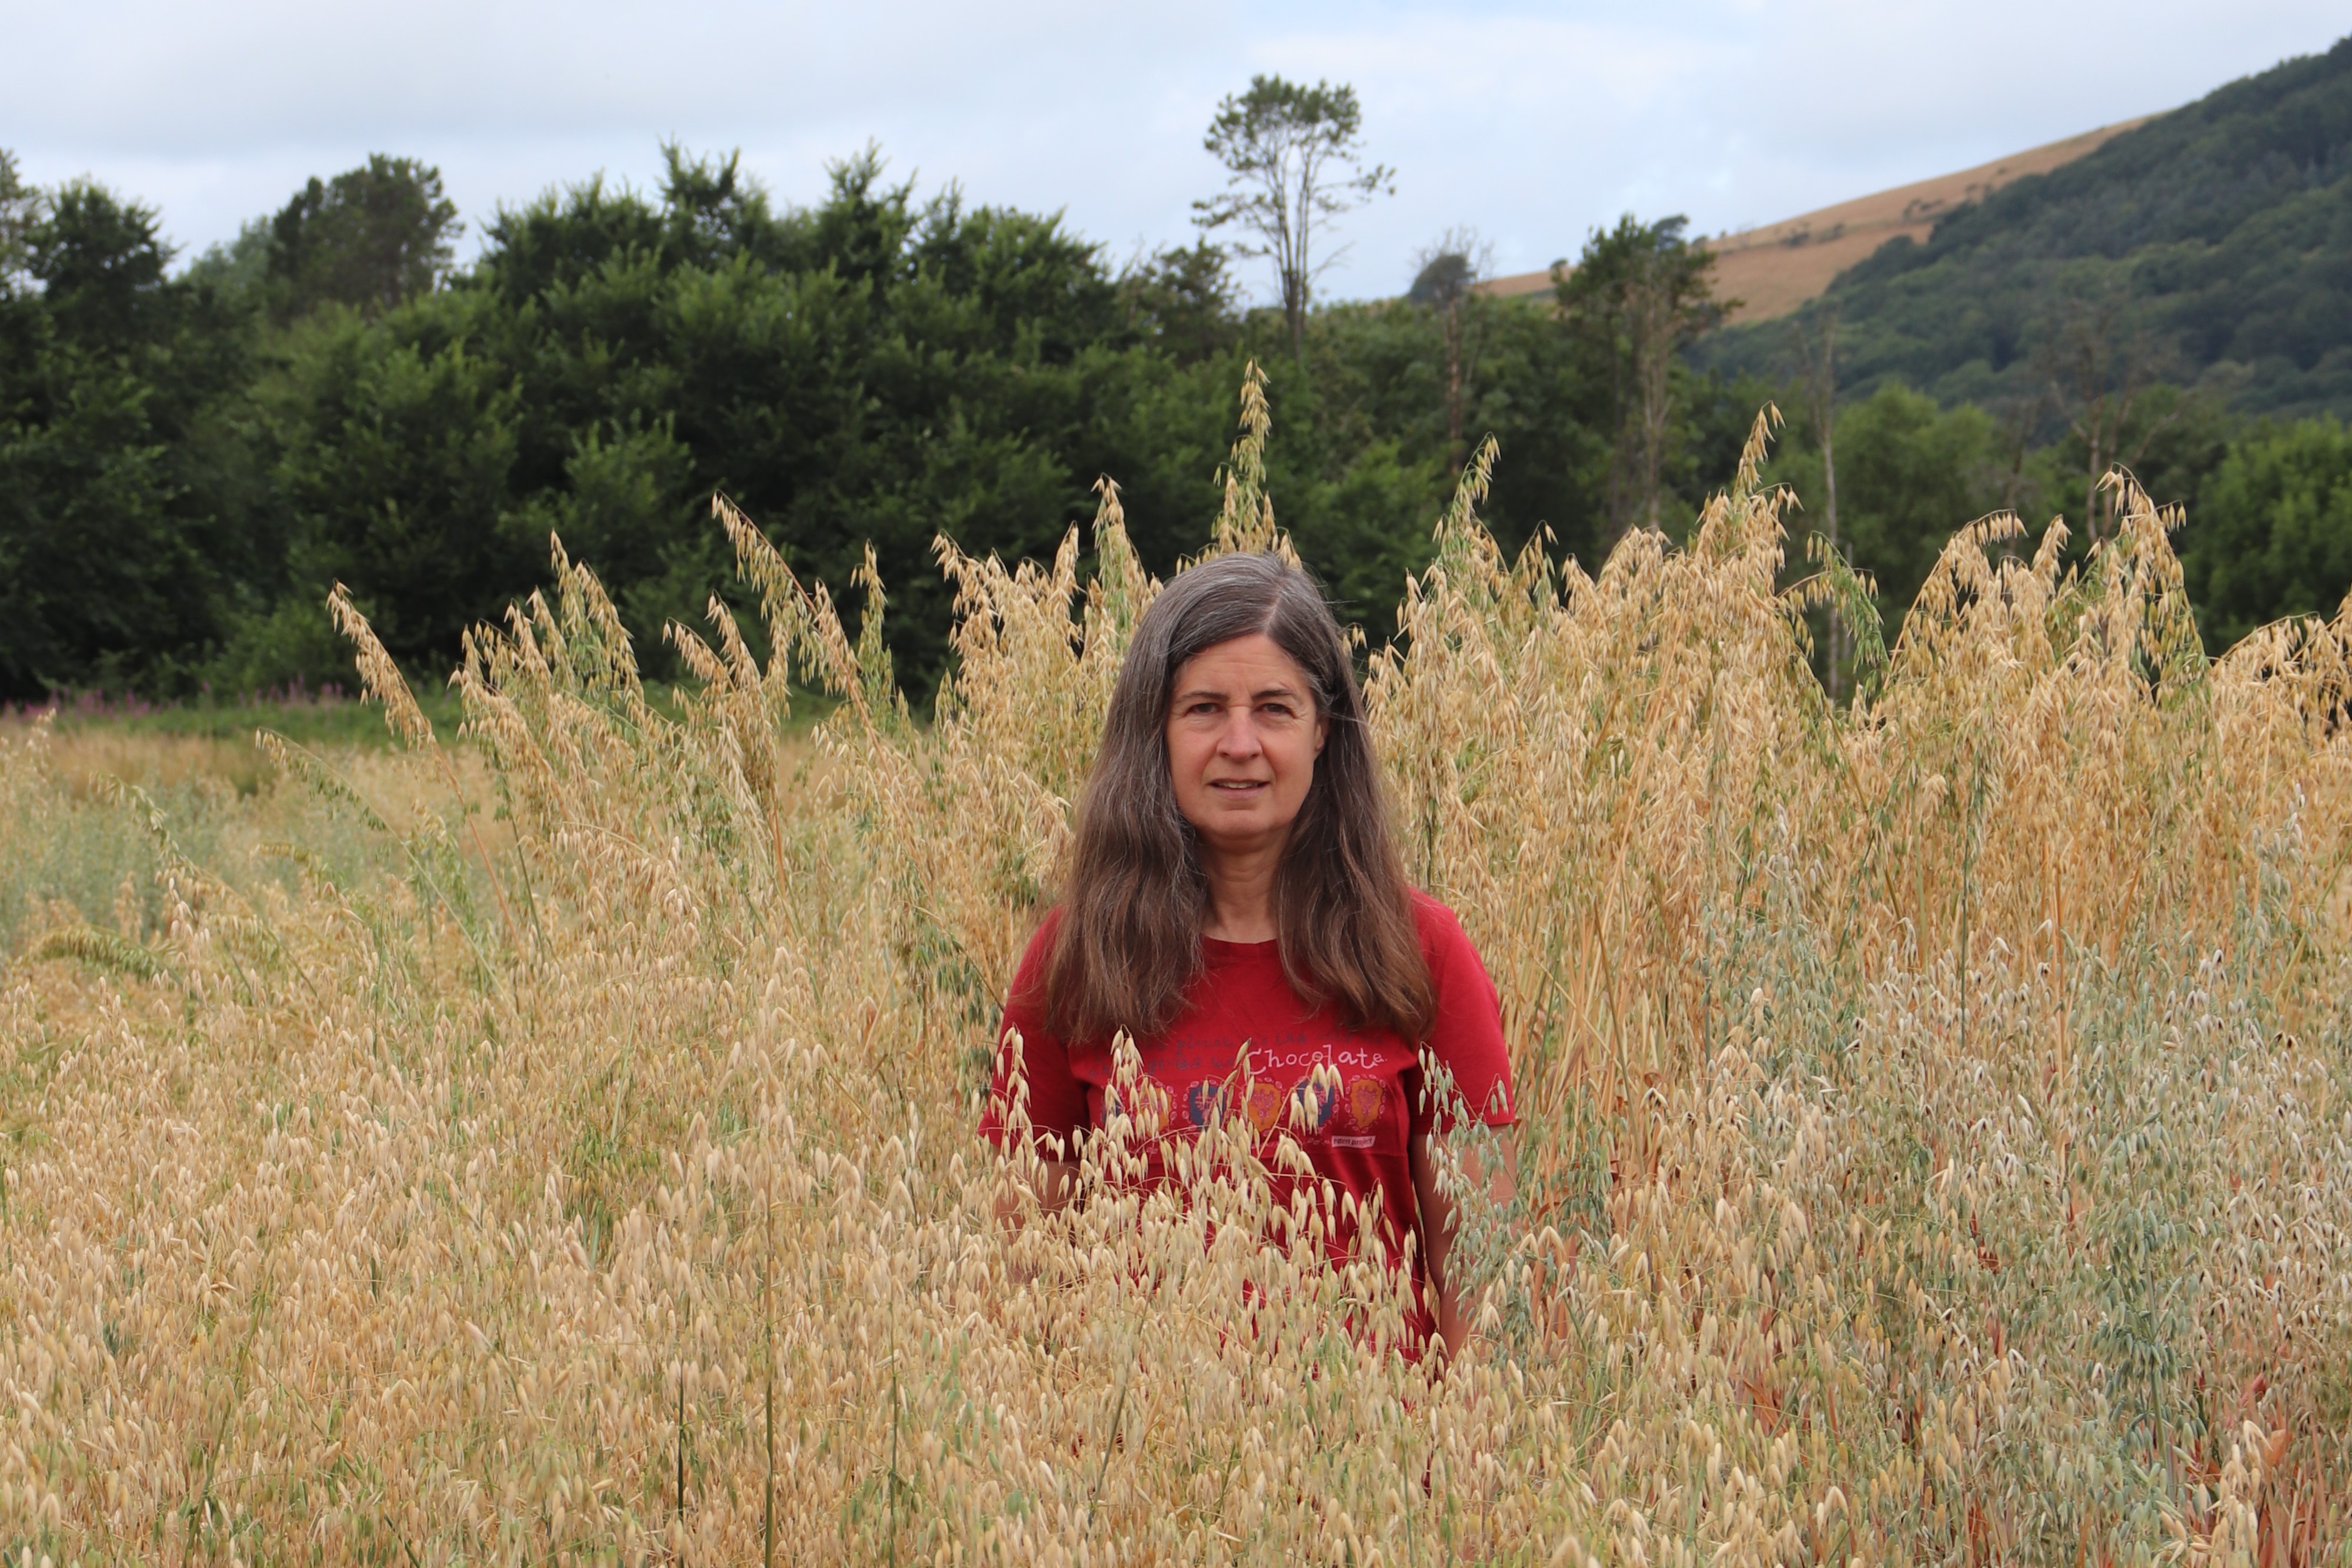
1654	351
1829	520
2097	445
1825	421
1453	409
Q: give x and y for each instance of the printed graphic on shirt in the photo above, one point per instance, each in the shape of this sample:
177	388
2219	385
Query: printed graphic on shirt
1145	1102
1299	1081
1365	1097
1317	1106
1312	1101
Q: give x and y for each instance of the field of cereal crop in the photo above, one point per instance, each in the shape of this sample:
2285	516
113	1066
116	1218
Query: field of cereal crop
555	1143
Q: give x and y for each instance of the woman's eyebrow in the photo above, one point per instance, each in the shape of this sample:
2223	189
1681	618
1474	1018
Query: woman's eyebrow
1217	694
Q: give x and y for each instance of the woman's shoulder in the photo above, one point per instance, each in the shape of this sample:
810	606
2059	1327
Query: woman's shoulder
1029	973
1436	920
1466	1032
1445	947
1041	940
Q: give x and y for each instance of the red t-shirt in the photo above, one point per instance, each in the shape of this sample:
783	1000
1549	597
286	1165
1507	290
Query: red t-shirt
1356	1133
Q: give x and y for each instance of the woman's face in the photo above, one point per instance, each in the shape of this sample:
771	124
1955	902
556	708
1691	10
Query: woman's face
1243	737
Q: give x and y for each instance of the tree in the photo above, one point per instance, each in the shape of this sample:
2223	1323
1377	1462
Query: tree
1909	474
241	266
1446	283
371	238
1637	295
1294	160
20	209
101	265
1185	300
2099	364
179	484
114	564
1914	474
2271	532
1818	359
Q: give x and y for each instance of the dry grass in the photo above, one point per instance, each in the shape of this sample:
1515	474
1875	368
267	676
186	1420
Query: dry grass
88	759
1938	1115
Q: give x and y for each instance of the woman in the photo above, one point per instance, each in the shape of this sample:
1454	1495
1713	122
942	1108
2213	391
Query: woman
1234	887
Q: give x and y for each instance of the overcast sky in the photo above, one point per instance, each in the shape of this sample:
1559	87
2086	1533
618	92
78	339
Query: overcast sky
1530	122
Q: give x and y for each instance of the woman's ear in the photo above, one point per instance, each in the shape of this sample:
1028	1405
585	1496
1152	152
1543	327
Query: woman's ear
1322	731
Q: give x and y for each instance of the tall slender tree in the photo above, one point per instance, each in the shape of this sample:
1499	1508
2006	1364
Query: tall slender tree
1818	354
1448	283
2105	373
1294	160
1636	296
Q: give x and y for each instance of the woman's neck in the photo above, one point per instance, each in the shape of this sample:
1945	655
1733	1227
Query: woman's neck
1241	891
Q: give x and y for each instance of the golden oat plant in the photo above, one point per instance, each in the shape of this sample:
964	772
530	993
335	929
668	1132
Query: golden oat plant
1935	1109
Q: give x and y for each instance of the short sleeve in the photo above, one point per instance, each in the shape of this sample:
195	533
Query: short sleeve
1467	1035
1057	1100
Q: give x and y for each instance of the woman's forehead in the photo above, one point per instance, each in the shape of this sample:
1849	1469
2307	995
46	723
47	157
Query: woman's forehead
1254	662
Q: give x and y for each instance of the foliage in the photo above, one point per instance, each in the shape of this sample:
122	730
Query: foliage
1375	374
399	448
1904	468
877	369
1933	1112
189	463
2226	224
116	560
2272	536
369	239
1185	299
236	268
20	206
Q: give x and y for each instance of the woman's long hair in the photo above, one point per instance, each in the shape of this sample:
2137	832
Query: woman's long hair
1129	946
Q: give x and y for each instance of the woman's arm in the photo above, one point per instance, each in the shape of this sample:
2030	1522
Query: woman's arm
1438	1222
1053	1104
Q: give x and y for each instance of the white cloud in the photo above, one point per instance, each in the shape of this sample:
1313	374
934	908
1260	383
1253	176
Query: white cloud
1532	122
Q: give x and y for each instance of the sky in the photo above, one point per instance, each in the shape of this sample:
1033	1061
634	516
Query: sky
1528	123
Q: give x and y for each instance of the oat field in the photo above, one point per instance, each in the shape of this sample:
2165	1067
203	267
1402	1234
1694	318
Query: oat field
553	1142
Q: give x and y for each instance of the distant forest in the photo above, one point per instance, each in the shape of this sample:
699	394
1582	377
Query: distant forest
2178	302
190	457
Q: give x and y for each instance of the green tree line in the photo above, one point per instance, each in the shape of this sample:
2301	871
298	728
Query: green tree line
189	458
2266	504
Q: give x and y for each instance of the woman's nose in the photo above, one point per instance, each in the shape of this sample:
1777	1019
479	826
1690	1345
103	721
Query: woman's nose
1239	736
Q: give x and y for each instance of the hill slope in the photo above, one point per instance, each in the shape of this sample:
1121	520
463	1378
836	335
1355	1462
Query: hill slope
1775	268
2211	244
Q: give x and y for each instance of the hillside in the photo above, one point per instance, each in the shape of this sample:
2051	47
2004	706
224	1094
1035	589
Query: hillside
2211	245
1775	267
